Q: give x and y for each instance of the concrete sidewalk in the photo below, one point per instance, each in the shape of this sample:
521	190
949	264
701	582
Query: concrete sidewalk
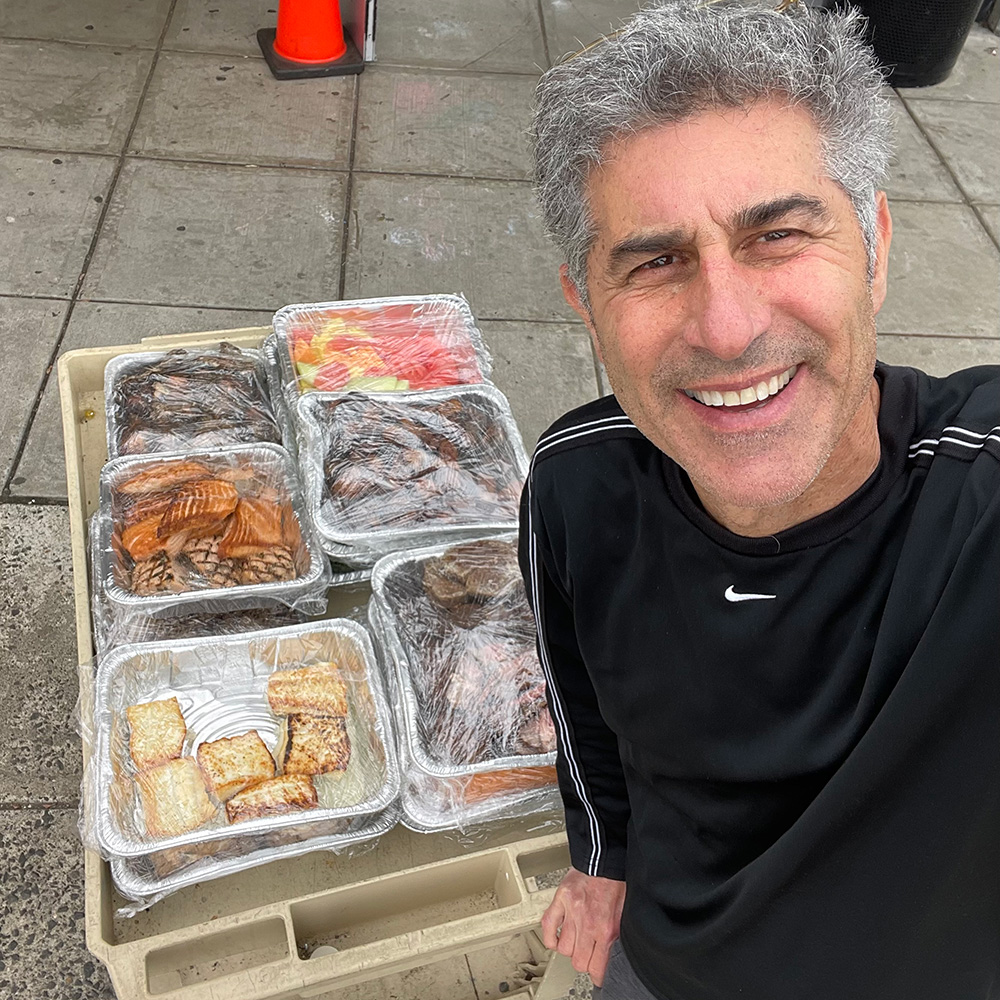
154	178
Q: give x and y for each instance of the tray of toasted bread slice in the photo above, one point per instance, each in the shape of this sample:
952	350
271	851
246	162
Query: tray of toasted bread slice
229	741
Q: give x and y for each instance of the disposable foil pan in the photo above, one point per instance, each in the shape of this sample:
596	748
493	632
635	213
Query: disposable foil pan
447	316
220	685
273	466
125	364
270	350
153	875
363	543
431	790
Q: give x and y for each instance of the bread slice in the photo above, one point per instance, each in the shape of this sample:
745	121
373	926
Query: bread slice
315	744
156	732
273	797
232	763
174	797
315	690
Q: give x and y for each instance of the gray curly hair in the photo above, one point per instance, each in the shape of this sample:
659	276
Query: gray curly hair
678	58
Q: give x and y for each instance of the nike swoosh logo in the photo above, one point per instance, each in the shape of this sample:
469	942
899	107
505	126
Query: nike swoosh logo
731	595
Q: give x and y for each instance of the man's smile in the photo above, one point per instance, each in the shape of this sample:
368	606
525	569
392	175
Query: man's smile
757	391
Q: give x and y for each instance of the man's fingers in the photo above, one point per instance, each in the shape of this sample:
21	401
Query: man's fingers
567	939
582	954
551	921
599	963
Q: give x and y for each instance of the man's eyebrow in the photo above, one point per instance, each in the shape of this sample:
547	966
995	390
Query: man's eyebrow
766	212
648	245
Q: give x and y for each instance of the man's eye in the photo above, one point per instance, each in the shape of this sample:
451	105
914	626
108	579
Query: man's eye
664	260
775	235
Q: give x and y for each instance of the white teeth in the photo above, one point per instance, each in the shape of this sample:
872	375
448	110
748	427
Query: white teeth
751	394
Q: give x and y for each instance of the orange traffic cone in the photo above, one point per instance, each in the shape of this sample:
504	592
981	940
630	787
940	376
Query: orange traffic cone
309	41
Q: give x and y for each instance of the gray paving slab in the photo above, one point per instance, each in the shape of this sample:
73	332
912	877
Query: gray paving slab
481	238
42	471
544	369
944	273
572	24
45	956
916	172
51	204
219	26
233	237
495	970
991	214
29	329
109	22
938	355
436	123
231	109
968	137
976	75
504	36
39	749
72	98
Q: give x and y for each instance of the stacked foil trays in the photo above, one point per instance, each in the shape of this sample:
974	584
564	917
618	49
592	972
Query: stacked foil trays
476	741
220	686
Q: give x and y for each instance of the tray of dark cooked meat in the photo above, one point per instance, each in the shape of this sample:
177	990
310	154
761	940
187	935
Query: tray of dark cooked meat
477	734
187	400
386	472
212	532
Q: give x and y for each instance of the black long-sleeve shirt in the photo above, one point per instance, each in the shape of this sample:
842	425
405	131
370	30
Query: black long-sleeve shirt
801	789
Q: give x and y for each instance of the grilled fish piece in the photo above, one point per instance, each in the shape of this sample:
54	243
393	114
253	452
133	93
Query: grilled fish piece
315	744
232	763
199	505
273	797
313	690
156	575
174	798
203	555
143	538
255	525
164	476
156	732
272	565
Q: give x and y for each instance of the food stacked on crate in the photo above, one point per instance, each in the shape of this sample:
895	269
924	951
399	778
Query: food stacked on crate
413	466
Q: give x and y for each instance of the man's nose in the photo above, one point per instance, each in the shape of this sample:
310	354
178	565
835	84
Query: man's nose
727	309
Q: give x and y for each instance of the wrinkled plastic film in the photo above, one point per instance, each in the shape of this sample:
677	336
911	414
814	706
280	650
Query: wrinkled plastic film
380	345
208	533
188	399
477	739
385	472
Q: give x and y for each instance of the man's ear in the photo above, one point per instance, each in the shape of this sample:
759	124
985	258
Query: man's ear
883	237
572	295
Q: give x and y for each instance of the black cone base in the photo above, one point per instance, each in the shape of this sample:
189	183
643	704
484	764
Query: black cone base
350	63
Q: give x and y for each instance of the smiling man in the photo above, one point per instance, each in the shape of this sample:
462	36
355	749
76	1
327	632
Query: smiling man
766	572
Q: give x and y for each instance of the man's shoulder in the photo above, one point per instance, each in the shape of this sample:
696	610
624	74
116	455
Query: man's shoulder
597	422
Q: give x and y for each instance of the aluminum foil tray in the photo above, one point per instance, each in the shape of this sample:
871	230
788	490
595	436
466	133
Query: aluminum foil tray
386	471
475	737
263	474
405	342
220	686
188	400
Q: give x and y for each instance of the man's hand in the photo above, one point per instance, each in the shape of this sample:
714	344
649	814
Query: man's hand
583	919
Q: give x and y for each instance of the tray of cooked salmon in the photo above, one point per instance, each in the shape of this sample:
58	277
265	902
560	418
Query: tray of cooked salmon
385	472
476	735
278	732
187	399
209	532
380	345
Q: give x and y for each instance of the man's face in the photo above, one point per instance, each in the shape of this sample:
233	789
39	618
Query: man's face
728	267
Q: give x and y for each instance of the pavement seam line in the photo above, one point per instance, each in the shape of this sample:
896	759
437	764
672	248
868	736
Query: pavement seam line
545	35
88	257
345	234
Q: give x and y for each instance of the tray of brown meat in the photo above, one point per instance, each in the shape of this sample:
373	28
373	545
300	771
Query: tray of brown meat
210	532
476	737
386	472
187	400
225	747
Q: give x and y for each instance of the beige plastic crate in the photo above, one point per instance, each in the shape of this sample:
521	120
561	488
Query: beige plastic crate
411	900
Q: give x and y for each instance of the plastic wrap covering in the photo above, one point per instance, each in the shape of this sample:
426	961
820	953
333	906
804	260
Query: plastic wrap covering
387	472
476	739
208	533
210	756
269	351
187	400
380	345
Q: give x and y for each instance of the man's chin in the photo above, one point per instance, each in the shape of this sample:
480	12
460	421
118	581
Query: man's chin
751	492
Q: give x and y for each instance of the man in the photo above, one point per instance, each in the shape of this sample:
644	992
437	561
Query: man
766	573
